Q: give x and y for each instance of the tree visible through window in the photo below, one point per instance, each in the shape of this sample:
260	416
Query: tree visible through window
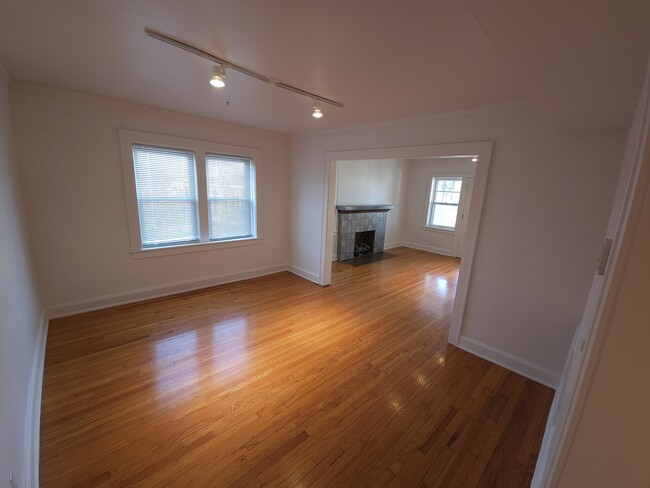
229	197
443	202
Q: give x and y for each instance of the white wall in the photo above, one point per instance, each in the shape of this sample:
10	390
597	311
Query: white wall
606	439
20	310
375	182
417	198
612	440
545	213
70	163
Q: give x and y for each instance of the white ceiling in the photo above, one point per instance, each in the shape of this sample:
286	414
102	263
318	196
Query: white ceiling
581	62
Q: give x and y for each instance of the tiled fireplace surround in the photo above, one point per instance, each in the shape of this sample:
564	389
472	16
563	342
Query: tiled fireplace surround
360	218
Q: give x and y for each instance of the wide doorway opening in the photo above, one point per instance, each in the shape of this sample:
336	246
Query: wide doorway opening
428	198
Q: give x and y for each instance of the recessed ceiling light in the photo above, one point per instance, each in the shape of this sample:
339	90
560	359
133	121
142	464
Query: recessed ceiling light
218	77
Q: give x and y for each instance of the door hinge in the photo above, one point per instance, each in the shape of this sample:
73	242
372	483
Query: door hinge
604	256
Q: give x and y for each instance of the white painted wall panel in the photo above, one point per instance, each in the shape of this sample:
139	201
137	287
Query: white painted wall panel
546	207
20	309
375	182
612	440
71	168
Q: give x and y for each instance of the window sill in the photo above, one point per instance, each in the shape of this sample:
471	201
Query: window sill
197	247
442	230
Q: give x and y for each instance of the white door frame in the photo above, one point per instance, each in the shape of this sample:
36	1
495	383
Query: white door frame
570	398
480	149
459	234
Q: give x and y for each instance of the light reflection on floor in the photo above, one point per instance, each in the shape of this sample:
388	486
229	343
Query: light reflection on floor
178	354
179	358
396	404
230	344
440	283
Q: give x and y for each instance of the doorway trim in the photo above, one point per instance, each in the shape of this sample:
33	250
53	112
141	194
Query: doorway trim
480	149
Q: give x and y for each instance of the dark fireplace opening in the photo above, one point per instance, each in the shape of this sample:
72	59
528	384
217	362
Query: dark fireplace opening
364	243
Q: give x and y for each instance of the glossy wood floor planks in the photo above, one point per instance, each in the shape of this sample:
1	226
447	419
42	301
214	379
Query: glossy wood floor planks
278	382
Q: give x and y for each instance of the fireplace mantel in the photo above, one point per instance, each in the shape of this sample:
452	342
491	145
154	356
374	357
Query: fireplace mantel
363	208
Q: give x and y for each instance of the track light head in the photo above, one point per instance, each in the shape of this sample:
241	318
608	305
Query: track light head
317	114
218	77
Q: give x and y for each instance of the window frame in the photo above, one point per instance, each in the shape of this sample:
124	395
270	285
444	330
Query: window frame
251	192
128	138
193	199
429	203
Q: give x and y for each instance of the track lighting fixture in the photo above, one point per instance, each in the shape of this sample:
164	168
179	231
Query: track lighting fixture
317	111
218	77
219	74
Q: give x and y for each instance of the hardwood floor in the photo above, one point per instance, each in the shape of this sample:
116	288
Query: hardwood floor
279	382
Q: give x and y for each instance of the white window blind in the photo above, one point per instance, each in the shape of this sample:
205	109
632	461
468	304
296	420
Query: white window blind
167	195
444	202
230	197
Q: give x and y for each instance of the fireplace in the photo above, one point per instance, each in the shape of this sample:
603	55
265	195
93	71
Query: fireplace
364	243
361	230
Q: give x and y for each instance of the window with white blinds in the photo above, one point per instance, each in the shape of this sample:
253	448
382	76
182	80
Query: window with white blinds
167	196
230	201
185	195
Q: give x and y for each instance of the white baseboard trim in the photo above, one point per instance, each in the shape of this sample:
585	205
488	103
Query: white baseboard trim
303	273
33	413
424	247
124	298
513	363
391	245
